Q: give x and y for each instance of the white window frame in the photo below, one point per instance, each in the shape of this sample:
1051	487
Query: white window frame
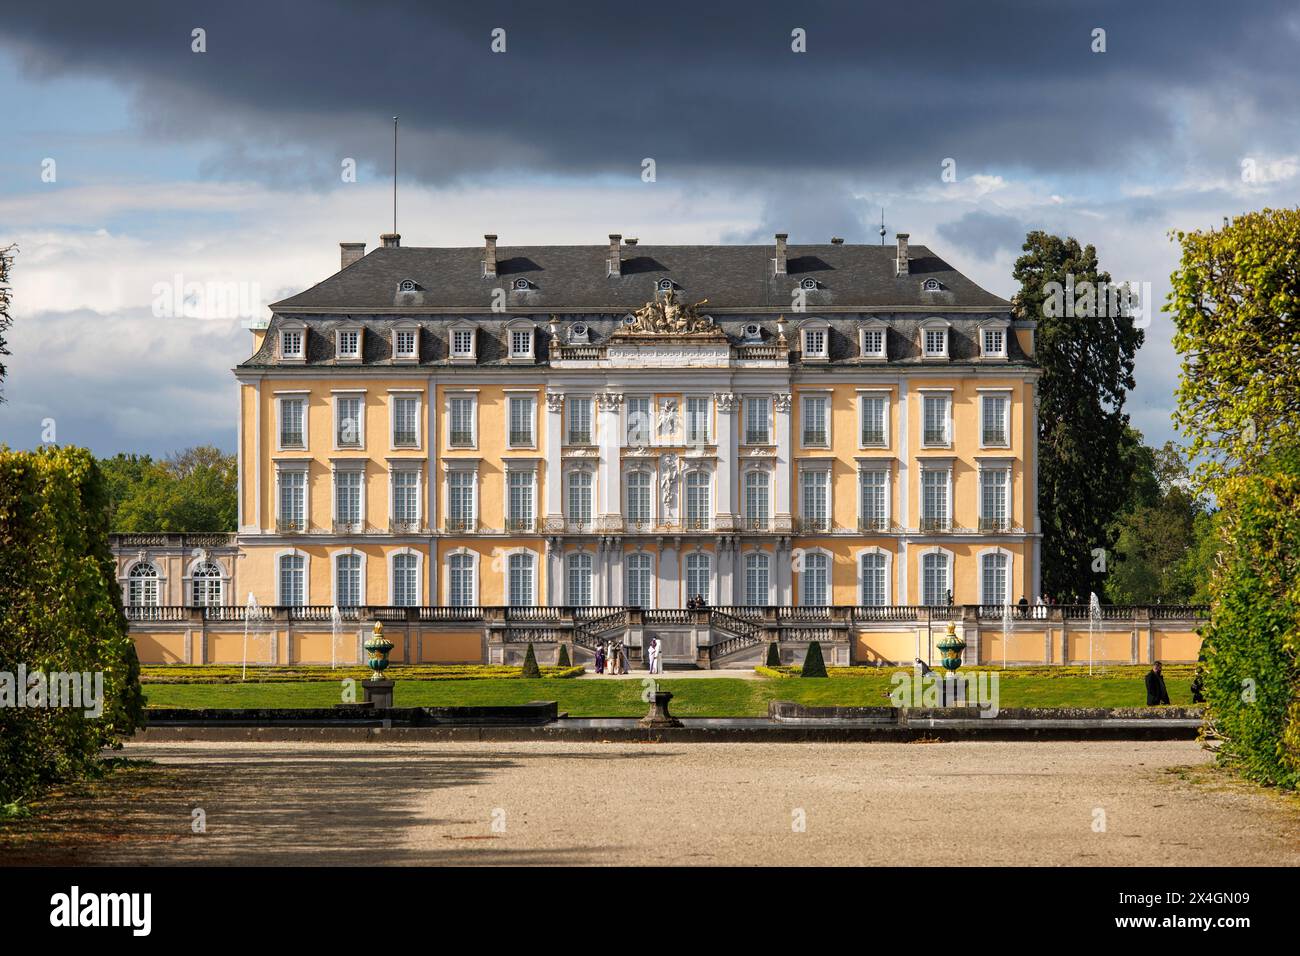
473	576
513	396
872	394
687	591
350	356
535	573
419	576
873	329
753	522
569	474
826	556
648	437
695	479
938	467
932	394
514	355
304	397
298	466
350	466
527	468
460	356
1003	328
649	521
936	325
396	395
196	572
334	576
817	466
985	598
874	466
986	468
472	398
653	586
947	556
346	394
413	355
744	576
404	467
805	397
570	559
746	402
691	403
1003	396
455	468
859	559
571	403
299	356
306	576
815	327
156	579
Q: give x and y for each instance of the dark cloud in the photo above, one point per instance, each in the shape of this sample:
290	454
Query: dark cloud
984	234
288	88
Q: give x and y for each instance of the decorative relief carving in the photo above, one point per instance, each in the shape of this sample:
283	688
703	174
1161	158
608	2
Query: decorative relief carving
664	315
781	401
610	401
555	401
726	401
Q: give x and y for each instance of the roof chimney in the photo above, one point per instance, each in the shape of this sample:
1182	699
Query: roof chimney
390	240
836	241
629	242
350	252
489	255
900	264
615	260
778	267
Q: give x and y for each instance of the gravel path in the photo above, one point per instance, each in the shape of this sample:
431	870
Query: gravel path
877	804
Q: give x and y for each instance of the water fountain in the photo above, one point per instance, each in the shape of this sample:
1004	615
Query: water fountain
1006	632
253	619
1094	625
336	625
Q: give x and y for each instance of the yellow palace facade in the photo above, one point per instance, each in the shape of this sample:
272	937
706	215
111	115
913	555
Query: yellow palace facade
637	426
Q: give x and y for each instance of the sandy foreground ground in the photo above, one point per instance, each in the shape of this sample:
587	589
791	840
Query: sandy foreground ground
1120	803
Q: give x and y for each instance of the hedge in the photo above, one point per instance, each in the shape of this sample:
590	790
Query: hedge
60	611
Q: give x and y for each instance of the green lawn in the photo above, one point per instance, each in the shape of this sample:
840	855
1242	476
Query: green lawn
709	697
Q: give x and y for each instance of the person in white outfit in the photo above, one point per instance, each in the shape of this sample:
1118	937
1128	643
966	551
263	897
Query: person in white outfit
656	659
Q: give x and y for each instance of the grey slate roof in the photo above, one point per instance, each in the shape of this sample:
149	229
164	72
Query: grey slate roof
575	279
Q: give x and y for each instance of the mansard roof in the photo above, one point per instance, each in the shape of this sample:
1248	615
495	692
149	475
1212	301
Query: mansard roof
576	279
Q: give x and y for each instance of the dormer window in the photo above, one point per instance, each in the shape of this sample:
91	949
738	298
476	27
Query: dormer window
664	285
816	341
579	334
934	340
872	343
462	343
753	332
930	285
993	343
406	285
293	344
406	344
521	345
347	343
521	285
808	285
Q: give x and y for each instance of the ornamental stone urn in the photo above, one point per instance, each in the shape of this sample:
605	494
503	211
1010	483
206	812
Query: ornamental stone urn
378	691
951	647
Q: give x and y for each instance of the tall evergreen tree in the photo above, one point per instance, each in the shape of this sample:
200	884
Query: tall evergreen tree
6	260
1084	444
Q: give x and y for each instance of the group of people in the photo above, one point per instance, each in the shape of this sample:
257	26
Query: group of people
611	658
696	603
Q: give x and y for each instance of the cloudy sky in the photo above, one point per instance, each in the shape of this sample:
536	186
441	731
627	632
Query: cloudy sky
131	163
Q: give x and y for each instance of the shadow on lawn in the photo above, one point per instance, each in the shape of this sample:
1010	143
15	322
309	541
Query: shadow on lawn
283	807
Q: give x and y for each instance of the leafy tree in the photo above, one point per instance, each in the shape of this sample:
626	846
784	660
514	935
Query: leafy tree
813	663
530	670
6	320
192	490
1085	447
1235	304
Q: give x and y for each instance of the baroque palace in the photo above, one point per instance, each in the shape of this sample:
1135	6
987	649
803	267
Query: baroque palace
554	442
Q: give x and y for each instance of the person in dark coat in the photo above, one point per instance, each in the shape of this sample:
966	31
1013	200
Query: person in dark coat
1198	680
1157	693
1024	606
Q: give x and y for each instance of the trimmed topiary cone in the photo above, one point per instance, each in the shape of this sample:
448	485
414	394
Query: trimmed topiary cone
813	665
563	660
773	655
531	670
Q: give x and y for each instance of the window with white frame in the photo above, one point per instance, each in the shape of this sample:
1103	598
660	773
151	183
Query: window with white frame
814	580
757	579
814	499
405	488
291	514
993	343
406	580
462	344
347	581
994	485
292	344
993	579
580	483
578	579
699	576
460	580
521	344
638	498
936	342
460	500
934	499
758	417
522	416
205	585
874	580
142	585
348	342
697	499
640	580
521	572
578	412
995	412
293	423
815	343
698	421
936	420
405	343
462	410
293	580
873	491
347	499
873	409
406	421
638	421
873	343
758	497
519	499
347	421
935	586
815	421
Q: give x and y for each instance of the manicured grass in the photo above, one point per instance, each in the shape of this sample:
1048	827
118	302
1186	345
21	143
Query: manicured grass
708	697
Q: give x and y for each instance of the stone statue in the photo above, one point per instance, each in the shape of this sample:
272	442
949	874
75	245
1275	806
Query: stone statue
664	315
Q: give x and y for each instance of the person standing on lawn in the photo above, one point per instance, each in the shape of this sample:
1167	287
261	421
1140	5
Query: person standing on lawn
1157	693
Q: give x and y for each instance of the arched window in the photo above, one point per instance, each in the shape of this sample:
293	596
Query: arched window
814	580
347	581
699	577
406	580
640	578
757	579
580	498
578	583
206	585
142	586
519	570
638	498
934	578
460	580
993	579
293	580
757	499
697	499
875	586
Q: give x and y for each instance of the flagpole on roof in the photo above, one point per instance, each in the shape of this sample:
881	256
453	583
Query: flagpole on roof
394	174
